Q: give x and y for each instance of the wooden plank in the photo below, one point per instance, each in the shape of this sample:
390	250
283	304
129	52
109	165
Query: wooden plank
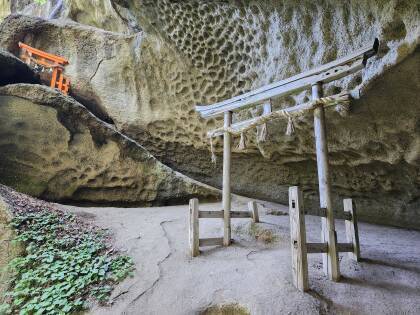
298	239
282	89
226	194
322	212
211	241
345	247
330	259
316	248
194	228
292	111
253	209
211	214
240	214
220	214
352	231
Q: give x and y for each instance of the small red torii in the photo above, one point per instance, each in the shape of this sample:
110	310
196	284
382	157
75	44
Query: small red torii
55	65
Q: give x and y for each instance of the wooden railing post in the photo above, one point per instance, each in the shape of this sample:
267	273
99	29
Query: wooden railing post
298	239
330	259
352	232
253	208
194	228
227	155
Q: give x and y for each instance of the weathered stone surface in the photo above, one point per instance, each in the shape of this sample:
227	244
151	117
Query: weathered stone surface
4	9
13	70
194	52
97	13
52	147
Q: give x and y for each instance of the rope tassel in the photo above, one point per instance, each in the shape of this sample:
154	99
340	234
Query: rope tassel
290	127
262	133
213	155
242	142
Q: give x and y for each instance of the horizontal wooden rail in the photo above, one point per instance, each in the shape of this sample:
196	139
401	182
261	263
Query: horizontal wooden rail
240	214
318	248
215	241
210	214
219	214
345	247
326	73
347	216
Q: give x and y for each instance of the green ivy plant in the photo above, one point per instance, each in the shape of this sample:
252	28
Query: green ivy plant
40	1
64	265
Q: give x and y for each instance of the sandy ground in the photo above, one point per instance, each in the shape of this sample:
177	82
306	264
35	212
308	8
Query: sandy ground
251	273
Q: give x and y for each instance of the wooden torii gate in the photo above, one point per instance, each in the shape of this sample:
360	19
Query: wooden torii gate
39	59
313	79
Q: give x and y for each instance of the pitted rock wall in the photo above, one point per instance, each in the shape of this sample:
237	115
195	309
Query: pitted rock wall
52	147
97	13
4	8
8	249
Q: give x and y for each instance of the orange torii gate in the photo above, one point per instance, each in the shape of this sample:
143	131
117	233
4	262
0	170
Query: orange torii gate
55	64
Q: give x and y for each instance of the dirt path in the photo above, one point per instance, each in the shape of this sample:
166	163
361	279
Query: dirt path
251	273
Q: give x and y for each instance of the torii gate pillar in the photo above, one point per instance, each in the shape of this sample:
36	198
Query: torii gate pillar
227	157
329	236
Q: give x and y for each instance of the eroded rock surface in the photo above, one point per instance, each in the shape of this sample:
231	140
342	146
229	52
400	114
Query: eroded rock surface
5	256
8	249
195	52
52	147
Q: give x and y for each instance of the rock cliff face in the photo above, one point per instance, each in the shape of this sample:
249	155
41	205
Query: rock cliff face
164	57
53	148
8	249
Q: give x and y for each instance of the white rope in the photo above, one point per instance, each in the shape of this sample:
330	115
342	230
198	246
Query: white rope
242	142
342	98
262	133
213	155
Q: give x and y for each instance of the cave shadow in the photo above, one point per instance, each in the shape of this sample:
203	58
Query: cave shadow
390	286
395	265
235	243
327	305
210	250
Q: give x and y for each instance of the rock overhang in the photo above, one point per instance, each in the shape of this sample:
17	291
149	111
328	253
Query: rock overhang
170	75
